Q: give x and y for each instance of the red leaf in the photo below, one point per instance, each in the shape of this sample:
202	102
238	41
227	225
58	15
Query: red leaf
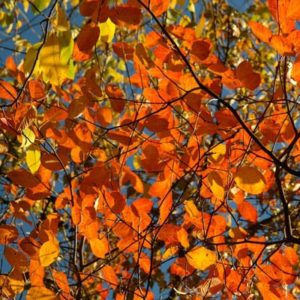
88	37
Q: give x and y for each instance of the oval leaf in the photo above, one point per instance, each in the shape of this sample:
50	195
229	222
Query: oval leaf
49	252
250	180
201	258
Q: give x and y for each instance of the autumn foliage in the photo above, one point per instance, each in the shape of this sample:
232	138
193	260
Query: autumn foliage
149	149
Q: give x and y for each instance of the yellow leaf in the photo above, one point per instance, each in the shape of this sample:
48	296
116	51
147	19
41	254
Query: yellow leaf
40	293
61	22
33	159
171	251
16	281
200	26
50	64
183	237
40	4
117	77
28	138
31	57
217	154
250	180
99	247
201	258
191	208
49	252
107	31
216	185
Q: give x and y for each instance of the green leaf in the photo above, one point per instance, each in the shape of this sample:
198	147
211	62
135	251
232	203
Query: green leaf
40	4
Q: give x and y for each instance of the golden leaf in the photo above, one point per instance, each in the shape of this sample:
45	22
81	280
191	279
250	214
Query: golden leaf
201	258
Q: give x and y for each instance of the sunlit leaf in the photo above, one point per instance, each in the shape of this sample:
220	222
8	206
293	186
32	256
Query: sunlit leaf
201	258
216	185
50	65
248	211
250	180
7	91
99	247
40	293
49	252
107	31
33	158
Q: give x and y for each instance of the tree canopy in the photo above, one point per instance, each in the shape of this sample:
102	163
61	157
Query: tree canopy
149	149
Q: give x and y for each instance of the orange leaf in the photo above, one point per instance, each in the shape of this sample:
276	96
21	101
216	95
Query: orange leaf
201	258
61	280
79	55
99	247
183	238
248	78
293	11
16	258
140	294
7	91
158	7
30	246
165	206
110	276
8	234
116	97
36	89
250	180
248	211
36	273
279	10
216	185
104	116
11	65
40	293
296	69
260	31
49	252
282	45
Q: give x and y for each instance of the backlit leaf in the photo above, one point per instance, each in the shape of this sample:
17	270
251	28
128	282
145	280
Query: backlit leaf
260	31
50	65
248	211
293	11
33	158
7	91
28	138
250	180
40	293
216	185
49	252
107	31
201	258
99	247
